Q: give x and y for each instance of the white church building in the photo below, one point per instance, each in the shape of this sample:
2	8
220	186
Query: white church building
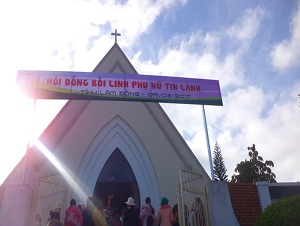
103	149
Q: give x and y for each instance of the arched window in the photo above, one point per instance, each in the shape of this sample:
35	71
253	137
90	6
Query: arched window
116	170
116	182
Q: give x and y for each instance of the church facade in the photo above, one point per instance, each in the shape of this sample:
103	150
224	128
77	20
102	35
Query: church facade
108	150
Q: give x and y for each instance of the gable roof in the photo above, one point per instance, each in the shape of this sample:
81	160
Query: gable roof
115	61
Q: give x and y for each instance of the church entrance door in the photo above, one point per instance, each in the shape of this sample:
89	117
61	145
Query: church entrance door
116	183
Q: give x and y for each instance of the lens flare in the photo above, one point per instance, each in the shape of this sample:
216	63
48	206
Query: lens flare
65	172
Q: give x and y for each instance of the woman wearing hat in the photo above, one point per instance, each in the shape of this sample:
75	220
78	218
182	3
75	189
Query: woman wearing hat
130	215
165	215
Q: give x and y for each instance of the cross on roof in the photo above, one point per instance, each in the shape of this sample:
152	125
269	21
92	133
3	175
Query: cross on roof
116	34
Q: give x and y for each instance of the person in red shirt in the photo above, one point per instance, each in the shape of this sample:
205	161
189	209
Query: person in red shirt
73	215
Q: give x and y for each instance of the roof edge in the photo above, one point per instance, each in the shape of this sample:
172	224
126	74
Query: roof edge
109	52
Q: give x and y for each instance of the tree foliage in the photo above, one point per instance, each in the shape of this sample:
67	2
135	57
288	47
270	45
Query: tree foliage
284	211
254	170
219	165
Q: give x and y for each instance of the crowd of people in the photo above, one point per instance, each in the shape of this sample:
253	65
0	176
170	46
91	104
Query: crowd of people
93	214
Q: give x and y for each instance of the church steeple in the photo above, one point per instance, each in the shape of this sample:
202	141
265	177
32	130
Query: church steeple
115	61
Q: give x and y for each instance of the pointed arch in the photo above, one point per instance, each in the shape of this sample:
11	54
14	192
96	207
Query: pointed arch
116	169
116	174
117	134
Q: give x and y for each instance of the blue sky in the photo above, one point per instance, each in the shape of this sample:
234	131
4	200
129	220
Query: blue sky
251	47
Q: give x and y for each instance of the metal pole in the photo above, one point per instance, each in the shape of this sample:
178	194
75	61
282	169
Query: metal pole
182	220
208	145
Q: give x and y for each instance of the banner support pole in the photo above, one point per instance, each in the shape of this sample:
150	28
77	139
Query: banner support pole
208	145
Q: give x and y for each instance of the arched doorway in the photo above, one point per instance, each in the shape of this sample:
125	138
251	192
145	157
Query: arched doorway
116	182
117	135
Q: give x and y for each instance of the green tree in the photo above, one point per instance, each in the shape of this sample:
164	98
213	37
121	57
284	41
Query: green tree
254	170
219	165
284	211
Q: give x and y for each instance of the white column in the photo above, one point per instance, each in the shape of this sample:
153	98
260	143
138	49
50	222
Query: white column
16	205
263	194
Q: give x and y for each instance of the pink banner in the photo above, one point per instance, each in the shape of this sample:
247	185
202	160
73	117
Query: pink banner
112	86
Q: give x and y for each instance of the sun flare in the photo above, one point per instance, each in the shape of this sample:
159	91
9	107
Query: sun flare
22	121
